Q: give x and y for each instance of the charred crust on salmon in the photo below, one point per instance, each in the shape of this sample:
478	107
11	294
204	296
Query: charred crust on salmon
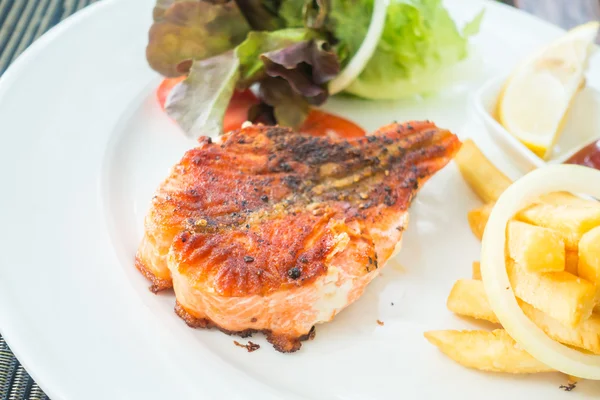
281	343
267	230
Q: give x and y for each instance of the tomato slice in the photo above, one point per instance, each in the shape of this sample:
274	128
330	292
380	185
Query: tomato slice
318	123
321	123
165	88
237	110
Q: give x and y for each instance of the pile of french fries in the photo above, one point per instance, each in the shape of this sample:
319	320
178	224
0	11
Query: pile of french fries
553	263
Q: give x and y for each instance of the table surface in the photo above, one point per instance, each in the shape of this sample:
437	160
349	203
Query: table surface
564	13
23	21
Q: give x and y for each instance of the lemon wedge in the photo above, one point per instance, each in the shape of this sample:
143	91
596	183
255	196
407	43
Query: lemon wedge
536	97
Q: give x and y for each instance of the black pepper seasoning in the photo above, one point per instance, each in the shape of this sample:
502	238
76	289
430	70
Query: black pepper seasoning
294	273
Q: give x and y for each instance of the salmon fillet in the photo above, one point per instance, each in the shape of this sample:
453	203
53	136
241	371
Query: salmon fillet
274	231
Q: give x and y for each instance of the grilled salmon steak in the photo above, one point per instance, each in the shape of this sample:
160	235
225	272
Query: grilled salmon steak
274	231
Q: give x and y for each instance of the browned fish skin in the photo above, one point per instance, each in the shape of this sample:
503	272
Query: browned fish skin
267	211
281	343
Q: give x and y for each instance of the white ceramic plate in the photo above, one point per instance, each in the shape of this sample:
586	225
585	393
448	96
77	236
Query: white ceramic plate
84	145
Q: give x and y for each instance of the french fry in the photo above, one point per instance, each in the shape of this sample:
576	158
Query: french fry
478	218
571	262
589	256
585	336
476	274
563	296
464	294
487	351
553	264
571	221
481	175
536	249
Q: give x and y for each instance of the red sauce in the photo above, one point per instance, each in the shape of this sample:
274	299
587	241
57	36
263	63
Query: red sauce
318	123
589	156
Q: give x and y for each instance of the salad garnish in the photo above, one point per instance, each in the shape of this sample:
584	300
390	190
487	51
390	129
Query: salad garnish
294	53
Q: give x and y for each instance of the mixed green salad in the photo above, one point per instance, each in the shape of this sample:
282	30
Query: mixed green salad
295	53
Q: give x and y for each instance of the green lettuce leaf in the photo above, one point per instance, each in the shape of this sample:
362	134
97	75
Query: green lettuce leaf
349	21
306	66
199	102
291	12
257	43
471	28
419	44
315	13
262	15
184	31
289	107
290	67
308	13
302	64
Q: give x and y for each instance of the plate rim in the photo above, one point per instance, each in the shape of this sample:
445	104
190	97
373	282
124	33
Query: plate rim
10	78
